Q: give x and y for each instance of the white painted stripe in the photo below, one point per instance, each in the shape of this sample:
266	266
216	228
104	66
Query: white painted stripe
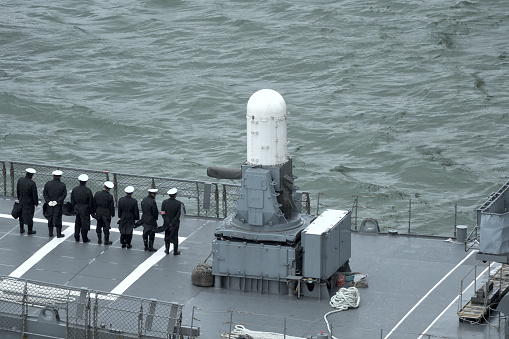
54	242
142	269
454	301
37	256
429	292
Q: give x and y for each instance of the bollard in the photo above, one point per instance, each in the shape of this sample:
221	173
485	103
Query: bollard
461	234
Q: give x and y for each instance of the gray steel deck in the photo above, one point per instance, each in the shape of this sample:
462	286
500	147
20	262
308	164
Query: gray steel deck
413	282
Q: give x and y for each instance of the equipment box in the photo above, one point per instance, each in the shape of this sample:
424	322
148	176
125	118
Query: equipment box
326	244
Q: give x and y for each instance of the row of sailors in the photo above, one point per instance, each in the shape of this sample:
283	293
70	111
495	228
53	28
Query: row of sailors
101	207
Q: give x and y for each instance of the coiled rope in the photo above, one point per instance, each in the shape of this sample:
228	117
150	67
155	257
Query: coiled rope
344	299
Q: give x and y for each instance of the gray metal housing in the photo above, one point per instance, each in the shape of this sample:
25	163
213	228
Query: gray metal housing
327	244
493	221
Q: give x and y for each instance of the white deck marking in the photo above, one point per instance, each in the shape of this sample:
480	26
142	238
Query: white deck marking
454	301
54	242
429	292
37	256
142	269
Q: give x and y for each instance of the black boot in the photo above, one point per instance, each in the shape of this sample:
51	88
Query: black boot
145	242
21	227
84	235
31	229
167	247
59	232
176	248
107	239
151	246
99	241
50	229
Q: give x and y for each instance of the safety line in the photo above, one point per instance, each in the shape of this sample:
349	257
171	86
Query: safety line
429	292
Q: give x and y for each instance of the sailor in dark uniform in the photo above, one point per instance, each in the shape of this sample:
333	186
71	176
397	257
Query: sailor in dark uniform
54	194
104	211
128	213
170	211
82	202
28	199
149	219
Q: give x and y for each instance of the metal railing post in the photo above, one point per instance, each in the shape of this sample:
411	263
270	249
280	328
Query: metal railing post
318	203
12	179
356	205
192	319
4	175
409	214
455	217
231	322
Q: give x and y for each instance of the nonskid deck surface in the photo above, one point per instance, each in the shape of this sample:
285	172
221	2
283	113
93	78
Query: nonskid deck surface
413	282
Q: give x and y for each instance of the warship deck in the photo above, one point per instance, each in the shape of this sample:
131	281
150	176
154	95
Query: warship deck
414	282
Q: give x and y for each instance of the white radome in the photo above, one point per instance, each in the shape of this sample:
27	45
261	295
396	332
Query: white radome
266	129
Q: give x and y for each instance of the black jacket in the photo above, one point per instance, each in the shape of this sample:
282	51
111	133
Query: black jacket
128	213
170	209
55	190
104	205
82	202
150	213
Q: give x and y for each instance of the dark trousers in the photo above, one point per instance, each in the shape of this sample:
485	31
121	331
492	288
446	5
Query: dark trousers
125	239
103	226
27	221
78	228
149	235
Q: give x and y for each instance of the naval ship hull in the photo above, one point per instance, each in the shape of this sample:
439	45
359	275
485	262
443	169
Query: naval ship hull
414	283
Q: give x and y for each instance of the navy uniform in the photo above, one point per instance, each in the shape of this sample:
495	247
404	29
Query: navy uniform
170	209
82	202
54	194
149	219
26	191
128	213
104	211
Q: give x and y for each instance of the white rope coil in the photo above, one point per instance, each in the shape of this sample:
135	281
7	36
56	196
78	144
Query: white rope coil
344	299
241	330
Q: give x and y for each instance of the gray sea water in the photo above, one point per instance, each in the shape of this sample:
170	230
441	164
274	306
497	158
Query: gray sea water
391	100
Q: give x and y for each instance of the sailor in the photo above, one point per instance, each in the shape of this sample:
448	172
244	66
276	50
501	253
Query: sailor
104	211
82	203
128	213
149	219
170	210
54	194
28	199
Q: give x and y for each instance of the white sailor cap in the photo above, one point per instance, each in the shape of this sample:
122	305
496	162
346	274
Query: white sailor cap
83	177
108	184
172	191
57	172
152	190
30	170
129	189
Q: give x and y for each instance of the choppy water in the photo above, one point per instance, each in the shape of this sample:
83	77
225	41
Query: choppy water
395	100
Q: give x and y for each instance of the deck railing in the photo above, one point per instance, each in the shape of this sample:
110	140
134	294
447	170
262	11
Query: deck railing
42	310
200	198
